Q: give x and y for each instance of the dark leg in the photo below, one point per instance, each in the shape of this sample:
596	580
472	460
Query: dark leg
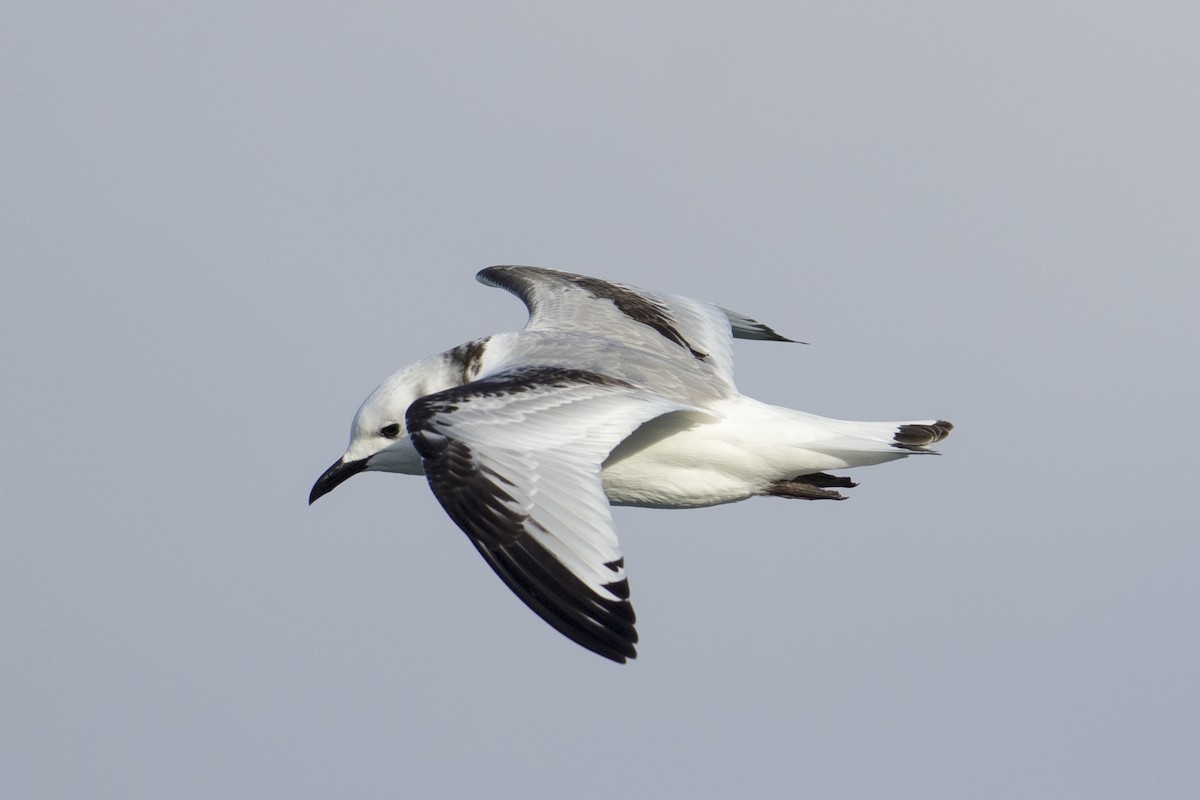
810	487
825	480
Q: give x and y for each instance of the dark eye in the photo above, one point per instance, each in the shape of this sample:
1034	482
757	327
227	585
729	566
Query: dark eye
390	431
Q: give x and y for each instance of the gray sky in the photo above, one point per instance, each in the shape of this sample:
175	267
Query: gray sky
224	223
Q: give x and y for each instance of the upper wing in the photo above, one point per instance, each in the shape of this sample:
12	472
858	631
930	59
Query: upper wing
666	324
514	459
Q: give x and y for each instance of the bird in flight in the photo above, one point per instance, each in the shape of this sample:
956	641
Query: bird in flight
610	395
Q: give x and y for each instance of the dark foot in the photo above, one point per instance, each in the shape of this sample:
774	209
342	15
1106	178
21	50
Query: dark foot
800	489
825	480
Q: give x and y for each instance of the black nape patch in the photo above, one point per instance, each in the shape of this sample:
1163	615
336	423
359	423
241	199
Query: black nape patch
468	358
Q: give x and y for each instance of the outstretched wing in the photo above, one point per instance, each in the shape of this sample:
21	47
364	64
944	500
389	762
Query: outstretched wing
665	324
514	459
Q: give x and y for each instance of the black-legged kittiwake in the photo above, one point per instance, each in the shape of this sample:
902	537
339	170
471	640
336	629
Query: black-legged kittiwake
610	395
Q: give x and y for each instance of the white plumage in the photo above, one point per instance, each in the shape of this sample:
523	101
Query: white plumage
609	396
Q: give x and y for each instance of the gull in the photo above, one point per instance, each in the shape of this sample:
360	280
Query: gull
609	396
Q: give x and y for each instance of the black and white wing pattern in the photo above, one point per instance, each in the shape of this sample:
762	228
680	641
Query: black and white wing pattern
671	325
514	459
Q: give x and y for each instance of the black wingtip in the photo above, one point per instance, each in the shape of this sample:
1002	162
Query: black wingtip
743	327
603	626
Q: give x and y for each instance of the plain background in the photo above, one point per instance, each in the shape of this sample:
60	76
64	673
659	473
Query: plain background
224	223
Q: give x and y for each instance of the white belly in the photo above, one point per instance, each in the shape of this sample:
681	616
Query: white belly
685	460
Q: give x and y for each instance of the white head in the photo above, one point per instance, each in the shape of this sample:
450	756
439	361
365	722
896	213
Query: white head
379	435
